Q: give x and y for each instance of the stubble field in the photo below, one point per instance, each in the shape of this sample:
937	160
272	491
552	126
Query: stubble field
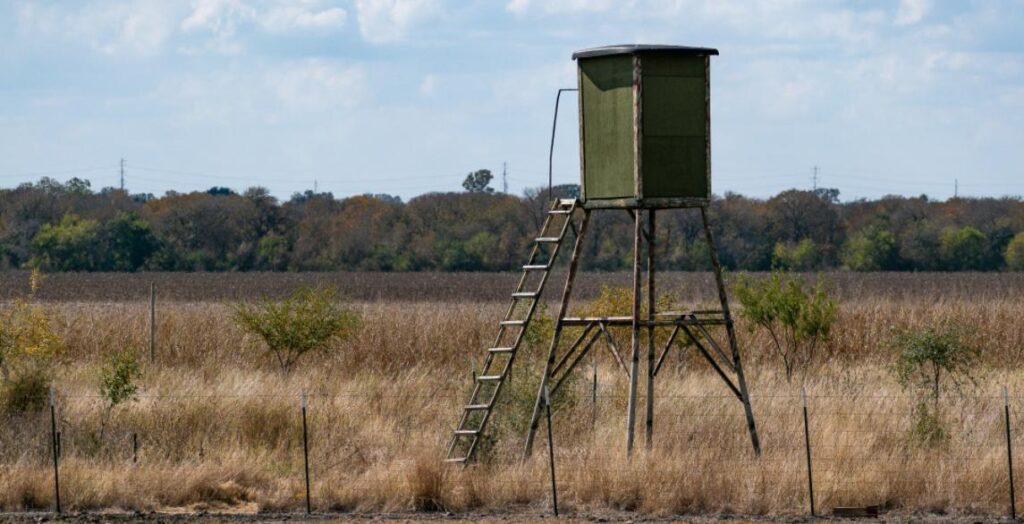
219	427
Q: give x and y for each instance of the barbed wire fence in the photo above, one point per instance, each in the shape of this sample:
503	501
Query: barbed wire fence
329	449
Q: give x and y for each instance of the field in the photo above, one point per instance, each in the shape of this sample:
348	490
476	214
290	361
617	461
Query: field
219	427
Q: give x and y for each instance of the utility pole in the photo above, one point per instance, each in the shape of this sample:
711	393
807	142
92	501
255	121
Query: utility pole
815	179
504	177
122	174
956	188
315	186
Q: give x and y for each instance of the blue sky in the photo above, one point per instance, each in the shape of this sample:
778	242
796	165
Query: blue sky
407	96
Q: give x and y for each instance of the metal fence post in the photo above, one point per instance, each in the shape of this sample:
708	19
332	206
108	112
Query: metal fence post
1009	453
305	451
152	323
807	448
53	443
551	452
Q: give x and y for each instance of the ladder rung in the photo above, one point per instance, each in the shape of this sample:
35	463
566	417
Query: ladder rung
568	202
525	294
535	267
559	211
467	431
513	322
457	460
477	407
548	240
500	350
488	378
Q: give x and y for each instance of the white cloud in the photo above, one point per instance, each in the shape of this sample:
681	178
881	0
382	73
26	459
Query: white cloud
318	85
912	11
112	28
302	17
263	93
382	21
429	85
559	6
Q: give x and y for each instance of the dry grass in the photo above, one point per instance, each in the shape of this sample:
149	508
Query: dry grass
219	427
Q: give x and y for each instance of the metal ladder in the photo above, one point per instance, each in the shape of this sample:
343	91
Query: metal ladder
498	363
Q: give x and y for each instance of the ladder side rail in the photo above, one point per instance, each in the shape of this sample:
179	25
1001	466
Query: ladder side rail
562	310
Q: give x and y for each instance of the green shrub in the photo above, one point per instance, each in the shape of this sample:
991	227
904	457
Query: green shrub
117	383
1015	253
798	319
801	256
307	321
931	356
26	392
29	348
928	359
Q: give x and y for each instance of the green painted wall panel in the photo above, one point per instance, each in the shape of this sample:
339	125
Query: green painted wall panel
607	90
661	65
675	167
674	106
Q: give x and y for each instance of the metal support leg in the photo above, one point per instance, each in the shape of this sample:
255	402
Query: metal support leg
635	360
731	331
650	329
562	310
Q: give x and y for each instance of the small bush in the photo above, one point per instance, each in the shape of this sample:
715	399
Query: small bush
798	319
309	320
29	348
932	356
117	383
26	392
928	359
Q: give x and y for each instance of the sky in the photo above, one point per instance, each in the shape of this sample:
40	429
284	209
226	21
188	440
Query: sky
405	97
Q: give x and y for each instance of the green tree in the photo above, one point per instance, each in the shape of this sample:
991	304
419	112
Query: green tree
871	249
802	256
962	249
478	181
928	358
69	245
307	321
128	242
798	319
1015	253
117	383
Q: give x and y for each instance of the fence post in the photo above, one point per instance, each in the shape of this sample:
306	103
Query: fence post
135	448
551	452
807	448
152	322
305	451
53	443
1009	453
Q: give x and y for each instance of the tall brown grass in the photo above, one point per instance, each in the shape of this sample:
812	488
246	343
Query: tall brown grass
219	427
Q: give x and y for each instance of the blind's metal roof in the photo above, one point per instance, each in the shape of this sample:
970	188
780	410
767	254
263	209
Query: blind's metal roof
640	48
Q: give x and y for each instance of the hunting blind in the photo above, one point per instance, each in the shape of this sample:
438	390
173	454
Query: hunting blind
644	126
645	145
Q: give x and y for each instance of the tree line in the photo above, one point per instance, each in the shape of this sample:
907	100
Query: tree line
69	226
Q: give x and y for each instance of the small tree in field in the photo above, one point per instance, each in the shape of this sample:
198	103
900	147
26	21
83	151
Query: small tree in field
307	321
928	359
798	319
117	383
29	349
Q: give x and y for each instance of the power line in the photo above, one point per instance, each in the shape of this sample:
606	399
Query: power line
57	172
